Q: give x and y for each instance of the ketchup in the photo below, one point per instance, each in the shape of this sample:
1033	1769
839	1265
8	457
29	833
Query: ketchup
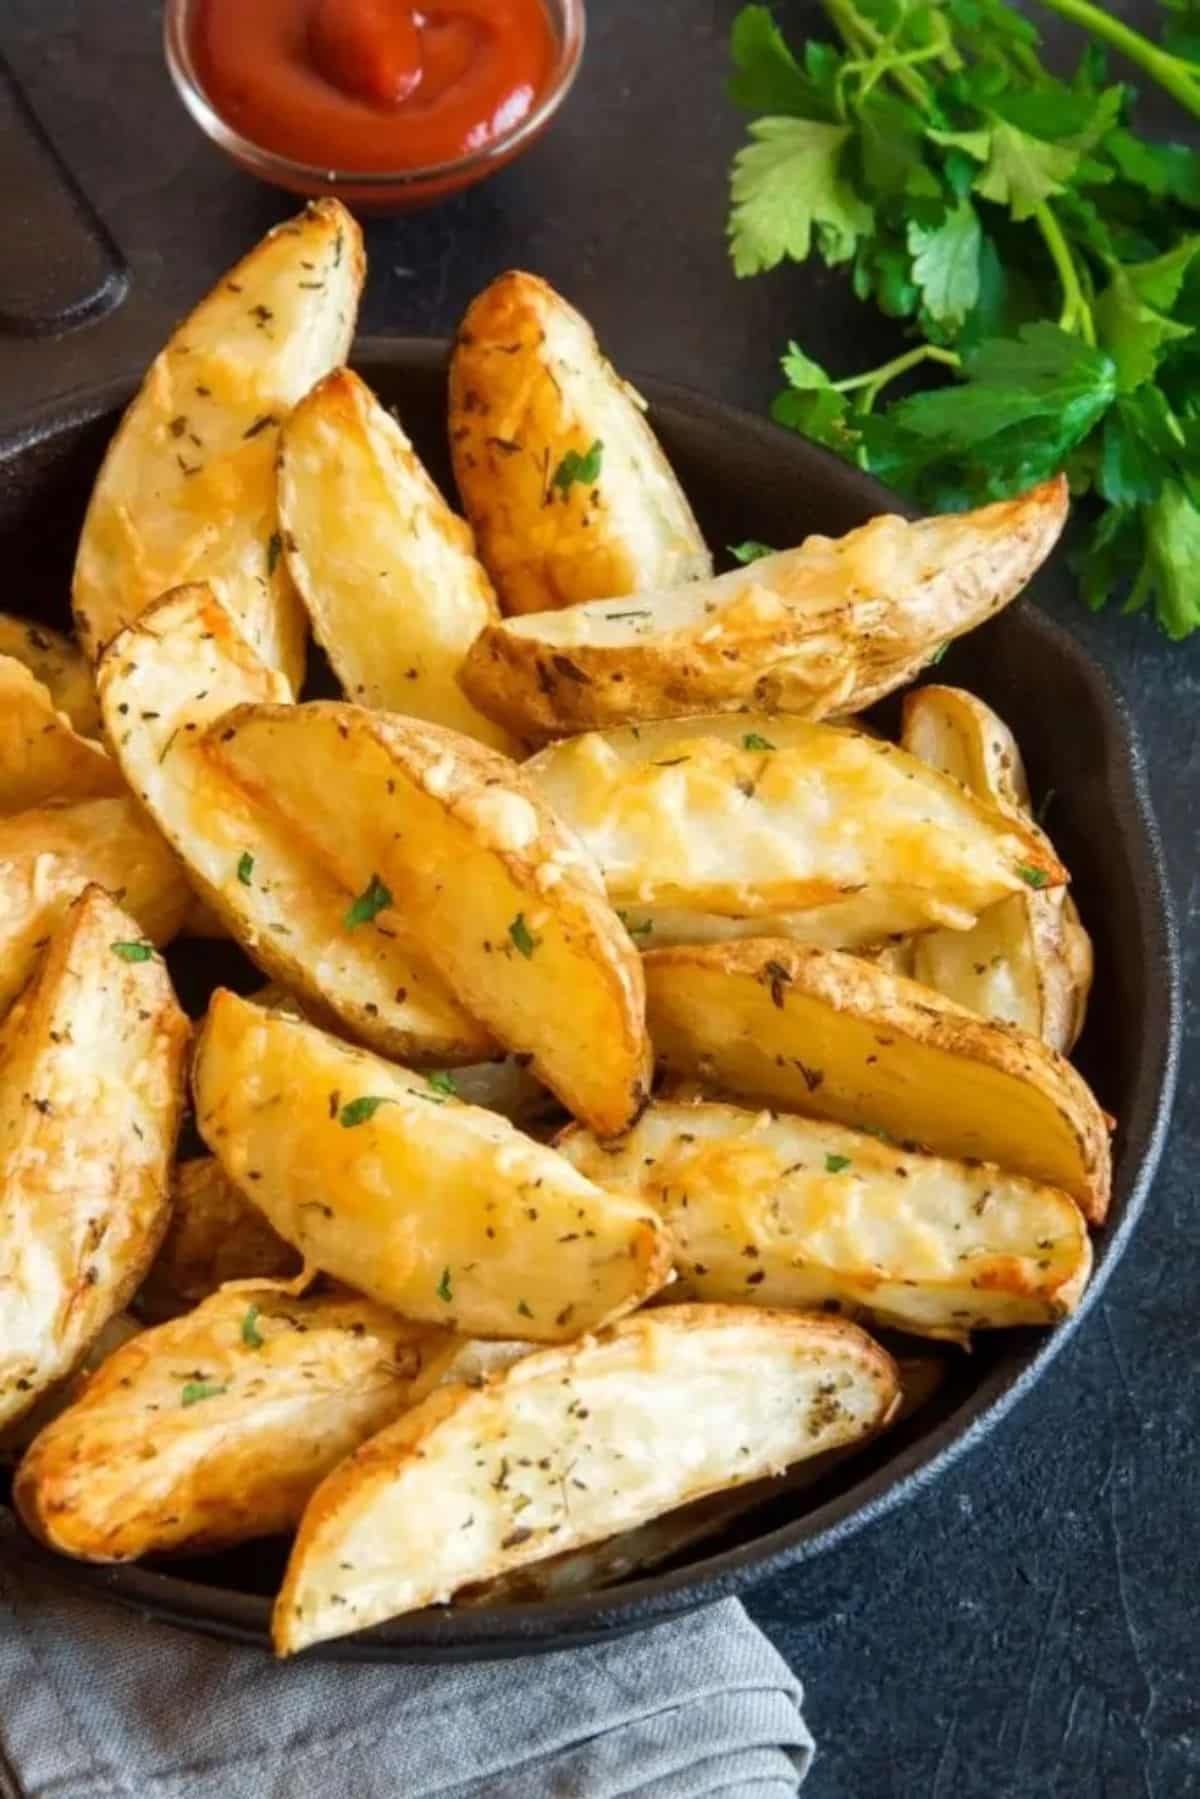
372	84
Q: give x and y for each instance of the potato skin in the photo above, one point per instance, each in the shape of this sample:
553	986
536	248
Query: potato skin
57	662
822	631
569	1446
187	488
528	387
214	1235
1029	961
91	1088
435	815
833	1036
216	1428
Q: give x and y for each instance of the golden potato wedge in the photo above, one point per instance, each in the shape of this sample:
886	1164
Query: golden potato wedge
836	1037
217	1427
16	1438
58	663
215	1235
42	757
787	1211
384	1179
752	815
386	570
565	483
577	1444
49	854
453	843
648	1546
823	630
187	489
91	1079
180	667
1029	960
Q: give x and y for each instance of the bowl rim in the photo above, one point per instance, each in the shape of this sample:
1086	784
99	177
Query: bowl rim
288	171
545	1626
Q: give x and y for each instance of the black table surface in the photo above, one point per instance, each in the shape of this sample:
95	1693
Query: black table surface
1028	1626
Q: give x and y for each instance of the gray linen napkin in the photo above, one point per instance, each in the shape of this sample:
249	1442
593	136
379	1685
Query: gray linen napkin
96	1703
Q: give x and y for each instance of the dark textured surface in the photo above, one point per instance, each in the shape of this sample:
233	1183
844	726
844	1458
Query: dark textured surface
1028	1627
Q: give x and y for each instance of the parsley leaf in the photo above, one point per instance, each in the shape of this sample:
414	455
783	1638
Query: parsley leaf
374	899
193	1391
133	952
358	1111
1172	568
1022	171
945	263
752	741
522	938
245	867
1036	878
444	1289
750	550
786	184
252	1337
443	1083
767	77
574	467
836	1164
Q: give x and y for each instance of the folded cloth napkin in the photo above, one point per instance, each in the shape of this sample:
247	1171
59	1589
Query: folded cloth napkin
96	1703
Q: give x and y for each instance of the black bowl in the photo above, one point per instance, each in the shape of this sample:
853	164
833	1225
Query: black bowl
746	478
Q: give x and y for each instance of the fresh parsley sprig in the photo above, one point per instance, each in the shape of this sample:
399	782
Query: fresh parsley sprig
1038	250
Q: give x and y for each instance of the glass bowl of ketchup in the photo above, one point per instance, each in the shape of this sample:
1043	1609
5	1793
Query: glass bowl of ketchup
385	104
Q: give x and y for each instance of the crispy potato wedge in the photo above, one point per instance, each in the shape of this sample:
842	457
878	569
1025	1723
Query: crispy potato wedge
57	662
565	483
215	1235
1029	960
383	1179
386	570
49	854
91	1080
181	666
578	1443
761	816
217	1427
15	1440
42	757
648	1546
187	489
823	630
788	1211
466	855
836	1037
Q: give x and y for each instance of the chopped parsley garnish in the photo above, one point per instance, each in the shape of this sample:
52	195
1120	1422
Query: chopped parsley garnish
374	899
245	867
938	654
193	1391
1032	877
752	741
631	925
444	1290
750	551
252	1337
358	1111
523	939
442	1083
133	952
574	467
836	1164
274	546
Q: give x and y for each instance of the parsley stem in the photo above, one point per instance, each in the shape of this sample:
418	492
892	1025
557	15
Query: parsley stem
1076	315
875	380
1180	79
863	39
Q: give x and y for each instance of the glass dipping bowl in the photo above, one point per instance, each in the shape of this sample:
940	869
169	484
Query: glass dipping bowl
375	190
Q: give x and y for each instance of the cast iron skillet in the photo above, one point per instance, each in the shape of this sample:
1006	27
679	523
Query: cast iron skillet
746	478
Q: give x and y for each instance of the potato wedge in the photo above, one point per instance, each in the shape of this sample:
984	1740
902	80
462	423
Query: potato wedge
577	1444
57	662
187	489
823	630
215	1235
786	1211
386	570
91	1080
1029	960
565	483
16	1438
42	757
836	1037
761	816
180	667
382	1178
217	1427
464	853
49	854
